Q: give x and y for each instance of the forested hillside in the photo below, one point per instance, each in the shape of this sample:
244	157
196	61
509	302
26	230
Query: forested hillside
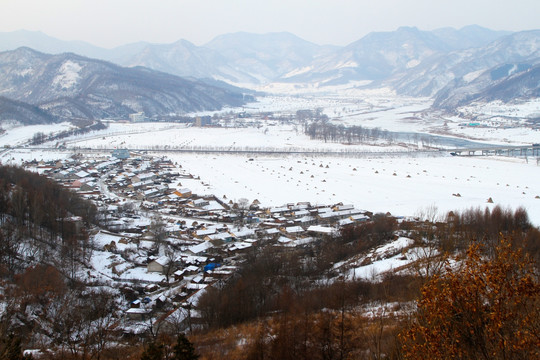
44	243
38	216
281	307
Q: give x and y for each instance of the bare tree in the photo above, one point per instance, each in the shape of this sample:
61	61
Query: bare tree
241	207
158	229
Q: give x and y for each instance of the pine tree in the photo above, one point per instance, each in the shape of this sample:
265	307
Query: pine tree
154	351
184	350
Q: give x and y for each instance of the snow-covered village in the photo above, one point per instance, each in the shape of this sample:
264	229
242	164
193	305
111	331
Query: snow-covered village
271	181
171	241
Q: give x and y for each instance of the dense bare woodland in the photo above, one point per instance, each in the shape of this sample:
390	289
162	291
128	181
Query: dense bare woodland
472	293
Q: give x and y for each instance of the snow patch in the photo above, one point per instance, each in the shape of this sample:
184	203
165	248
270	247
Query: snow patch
68	75
25	72
298	71
383	259
412	63
347	64
472	75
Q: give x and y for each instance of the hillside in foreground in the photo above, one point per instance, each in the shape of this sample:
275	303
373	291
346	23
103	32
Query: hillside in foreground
276	291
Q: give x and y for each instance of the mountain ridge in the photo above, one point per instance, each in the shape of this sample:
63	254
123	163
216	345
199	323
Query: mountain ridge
507	82
72	86
411	61
243	57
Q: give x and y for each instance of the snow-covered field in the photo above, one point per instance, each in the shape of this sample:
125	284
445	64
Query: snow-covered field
19	135
268	136
500	123
405	185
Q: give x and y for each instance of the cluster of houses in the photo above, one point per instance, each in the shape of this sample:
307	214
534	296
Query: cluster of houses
214	234
217	249
139	178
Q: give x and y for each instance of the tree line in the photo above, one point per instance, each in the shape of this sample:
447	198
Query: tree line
40	137
356	134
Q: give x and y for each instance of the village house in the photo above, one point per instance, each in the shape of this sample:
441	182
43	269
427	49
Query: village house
239	247
159	265
183	193
188	270
305	221
138	314
242	233
144	177
223	272
221	236
346	221
122	154
318	230
199	249
279	211
301	213
341	207
283	240
81	174
204	232
142	184
293	230
195	260
360	217
200	203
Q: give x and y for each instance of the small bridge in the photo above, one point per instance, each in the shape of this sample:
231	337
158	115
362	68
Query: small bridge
521	150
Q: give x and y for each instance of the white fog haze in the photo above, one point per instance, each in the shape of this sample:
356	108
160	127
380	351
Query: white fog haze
113	23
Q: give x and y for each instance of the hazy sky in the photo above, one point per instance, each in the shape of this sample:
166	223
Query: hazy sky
111	23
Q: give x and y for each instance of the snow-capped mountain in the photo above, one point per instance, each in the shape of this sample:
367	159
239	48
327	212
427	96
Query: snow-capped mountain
436	72
72	86
41	42
182	58
267	57
375	56
255	58
235	58
508	82
378	55
471	36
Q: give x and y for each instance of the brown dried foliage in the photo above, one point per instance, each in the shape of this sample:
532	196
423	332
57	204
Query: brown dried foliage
488	308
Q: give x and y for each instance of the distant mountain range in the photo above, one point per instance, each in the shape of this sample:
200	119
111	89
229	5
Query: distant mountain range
443	64
235	58
68	86
378	55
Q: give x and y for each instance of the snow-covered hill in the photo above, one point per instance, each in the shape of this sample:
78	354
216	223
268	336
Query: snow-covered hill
72	86
436	72
507	83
